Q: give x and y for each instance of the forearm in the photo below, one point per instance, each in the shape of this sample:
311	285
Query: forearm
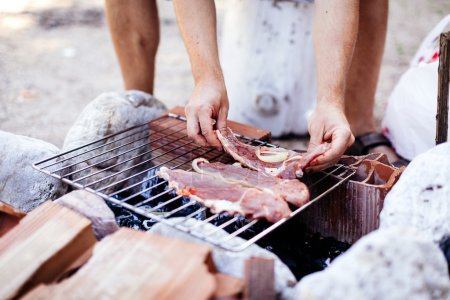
334	33
197	22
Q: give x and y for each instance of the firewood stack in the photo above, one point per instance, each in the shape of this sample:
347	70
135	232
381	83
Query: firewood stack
52	253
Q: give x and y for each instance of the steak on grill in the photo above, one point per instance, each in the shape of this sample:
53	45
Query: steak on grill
291	190
290	168
221	195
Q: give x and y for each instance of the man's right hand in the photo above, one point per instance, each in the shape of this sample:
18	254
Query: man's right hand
208	105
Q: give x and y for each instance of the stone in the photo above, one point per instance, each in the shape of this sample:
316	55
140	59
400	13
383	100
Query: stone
20	184
232	263
93	208
421	197
107	114
395	263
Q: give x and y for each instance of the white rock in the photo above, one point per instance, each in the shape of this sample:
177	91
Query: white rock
111	113
92	207
396	263
421	197
20	185
232	263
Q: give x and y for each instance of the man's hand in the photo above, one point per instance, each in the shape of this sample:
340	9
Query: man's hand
335	23
209	100
329	124
208	105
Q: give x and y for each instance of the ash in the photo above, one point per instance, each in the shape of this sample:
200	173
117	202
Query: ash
302	251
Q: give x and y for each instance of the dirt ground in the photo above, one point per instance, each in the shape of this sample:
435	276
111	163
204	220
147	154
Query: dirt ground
56	56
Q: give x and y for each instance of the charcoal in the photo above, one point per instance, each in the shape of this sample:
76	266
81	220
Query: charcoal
394	263
302	251
445	247
152	180
126	218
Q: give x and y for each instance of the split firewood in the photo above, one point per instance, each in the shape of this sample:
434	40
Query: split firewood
47	243
138	265
228	287
259	279
92	207
9	217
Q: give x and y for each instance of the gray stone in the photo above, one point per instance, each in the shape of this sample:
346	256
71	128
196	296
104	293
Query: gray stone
232	263
20	185
395	263
107	114
92	207
421	197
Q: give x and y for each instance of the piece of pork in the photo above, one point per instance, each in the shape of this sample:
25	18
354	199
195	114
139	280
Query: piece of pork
290	168
221	195
291	190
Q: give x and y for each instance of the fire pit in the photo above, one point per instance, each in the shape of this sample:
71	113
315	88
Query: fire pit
121	169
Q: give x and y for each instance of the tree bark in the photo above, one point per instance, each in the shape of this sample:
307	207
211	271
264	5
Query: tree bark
443	89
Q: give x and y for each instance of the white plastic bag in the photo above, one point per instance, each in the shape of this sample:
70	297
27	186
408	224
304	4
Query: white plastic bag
410	118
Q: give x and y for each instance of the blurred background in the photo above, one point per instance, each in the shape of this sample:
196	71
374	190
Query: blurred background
56	56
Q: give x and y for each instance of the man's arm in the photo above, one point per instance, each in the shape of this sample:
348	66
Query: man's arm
208	102
335	31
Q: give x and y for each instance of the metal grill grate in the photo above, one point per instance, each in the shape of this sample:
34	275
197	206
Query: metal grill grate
121	168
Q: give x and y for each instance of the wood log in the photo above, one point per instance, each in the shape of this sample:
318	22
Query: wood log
228	287
138	265
259	279
9	217
247	130
48	242
443	86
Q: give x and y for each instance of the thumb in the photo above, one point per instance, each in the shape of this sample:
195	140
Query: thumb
315	140
222	118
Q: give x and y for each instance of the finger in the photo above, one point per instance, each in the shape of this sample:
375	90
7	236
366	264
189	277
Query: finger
320	167
315	140
317	165
206	127
222	118
193	129
339	143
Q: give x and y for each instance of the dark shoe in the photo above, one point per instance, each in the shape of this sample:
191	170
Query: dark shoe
365	142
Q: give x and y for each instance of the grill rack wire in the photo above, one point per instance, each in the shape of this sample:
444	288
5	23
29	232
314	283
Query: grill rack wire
101	167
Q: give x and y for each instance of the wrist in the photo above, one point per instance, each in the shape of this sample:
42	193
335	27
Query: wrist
333	100
210	78
207	72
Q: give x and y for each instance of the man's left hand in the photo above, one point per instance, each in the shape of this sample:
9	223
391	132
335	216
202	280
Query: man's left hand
329	124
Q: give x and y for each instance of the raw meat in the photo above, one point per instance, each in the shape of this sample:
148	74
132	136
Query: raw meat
221	195
290	168
291	190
